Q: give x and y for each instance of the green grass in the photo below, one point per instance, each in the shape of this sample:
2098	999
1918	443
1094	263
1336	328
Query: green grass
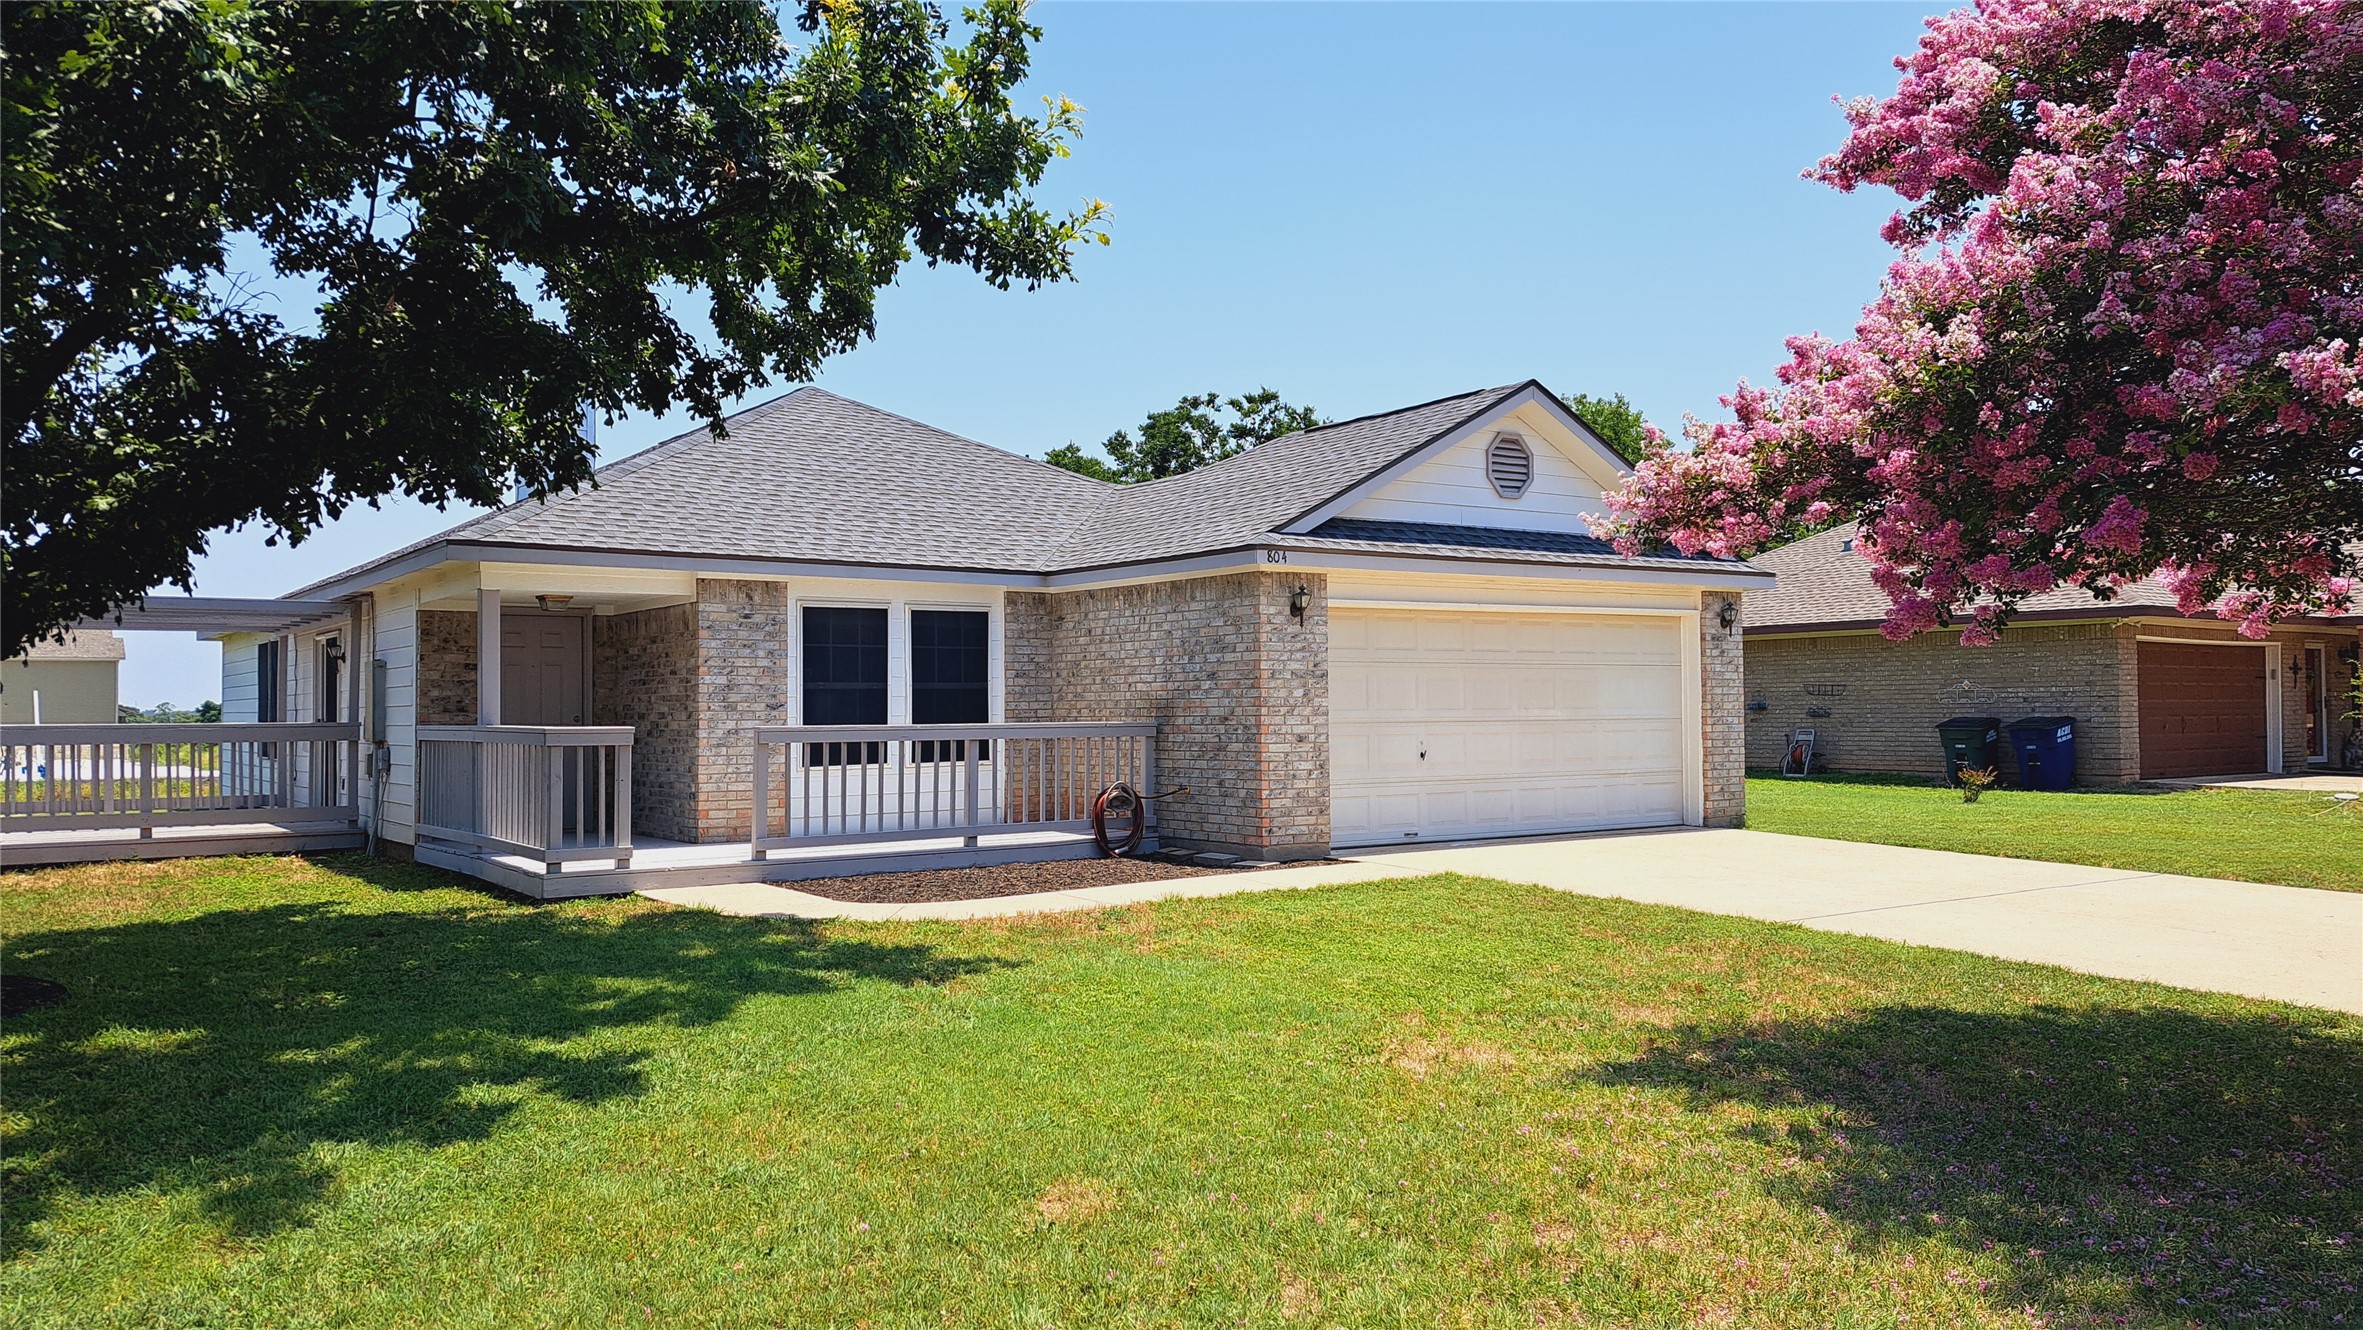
2299	839
291	1093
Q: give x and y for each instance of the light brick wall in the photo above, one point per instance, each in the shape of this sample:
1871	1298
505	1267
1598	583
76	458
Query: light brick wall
1238	686
1884	698
745	643
1026	657
446	667
1723	713
644	674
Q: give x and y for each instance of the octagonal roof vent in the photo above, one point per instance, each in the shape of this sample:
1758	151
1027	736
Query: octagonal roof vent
1509	464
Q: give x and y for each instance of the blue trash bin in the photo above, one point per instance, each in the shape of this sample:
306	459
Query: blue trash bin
2046	749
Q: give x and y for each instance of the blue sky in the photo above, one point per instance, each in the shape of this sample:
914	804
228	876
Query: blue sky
1360	205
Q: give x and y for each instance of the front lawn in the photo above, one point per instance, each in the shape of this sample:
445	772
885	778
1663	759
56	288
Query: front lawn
2300	839
290	1093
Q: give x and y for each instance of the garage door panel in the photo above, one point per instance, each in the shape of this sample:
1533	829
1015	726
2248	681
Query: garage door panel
1471	724
2202	709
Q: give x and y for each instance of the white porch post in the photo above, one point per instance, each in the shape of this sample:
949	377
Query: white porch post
488	656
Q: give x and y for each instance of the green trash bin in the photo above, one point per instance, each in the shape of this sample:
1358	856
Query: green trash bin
1972	742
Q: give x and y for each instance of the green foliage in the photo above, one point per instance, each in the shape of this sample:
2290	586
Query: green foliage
1619	424
504	206
1194	432
165	713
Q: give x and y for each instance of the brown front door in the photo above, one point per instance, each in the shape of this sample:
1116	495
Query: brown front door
2202	709
541	669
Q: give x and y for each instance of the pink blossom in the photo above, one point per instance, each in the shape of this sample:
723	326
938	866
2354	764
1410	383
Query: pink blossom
2100	312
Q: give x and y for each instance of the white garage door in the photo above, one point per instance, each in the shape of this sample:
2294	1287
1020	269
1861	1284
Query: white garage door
1447	724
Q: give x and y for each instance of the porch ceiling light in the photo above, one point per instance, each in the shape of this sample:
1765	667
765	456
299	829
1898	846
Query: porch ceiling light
553	603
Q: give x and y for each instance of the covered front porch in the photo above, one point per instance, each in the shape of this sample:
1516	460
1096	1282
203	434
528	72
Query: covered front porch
581	732
547	811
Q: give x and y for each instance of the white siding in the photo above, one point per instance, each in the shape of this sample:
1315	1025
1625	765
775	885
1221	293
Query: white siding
395	641
1451	489
239	695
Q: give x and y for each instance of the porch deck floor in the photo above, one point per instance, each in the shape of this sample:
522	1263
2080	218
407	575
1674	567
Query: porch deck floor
89	844
657	862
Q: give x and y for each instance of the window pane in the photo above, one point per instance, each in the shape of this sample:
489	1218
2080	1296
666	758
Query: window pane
844	666
948	664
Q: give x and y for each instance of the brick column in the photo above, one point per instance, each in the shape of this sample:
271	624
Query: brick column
1722	713
745	641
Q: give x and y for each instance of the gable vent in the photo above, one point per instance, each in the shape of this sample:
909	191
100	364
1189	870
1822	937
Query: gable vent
1509	465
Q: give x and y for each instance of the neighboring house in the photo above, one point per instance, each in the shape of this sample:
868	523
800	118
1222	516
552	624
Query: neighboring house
63	683
1381	630
2155	693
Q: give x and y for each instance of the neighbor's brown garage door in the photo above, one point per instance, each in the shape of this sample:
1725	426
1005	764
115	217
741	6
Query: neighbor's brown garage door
2202	709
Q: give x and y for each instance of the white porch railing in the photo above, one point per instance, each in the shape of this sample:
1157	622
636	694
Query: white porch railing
100	777
833	784
556	794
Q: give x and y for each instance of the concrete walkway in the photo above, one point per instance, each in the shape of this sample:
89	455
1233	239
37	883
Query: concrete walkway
2294	944
2332	782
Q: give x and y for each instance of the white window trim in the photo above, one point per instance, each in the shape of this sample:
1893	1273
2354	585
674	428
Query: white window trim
898	650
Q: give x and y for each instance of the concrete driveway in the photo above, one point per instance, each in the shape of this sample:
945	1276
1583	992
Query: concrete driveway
2294	944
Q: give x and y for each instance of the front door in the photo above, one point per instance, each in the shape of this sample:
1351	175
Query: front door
541	669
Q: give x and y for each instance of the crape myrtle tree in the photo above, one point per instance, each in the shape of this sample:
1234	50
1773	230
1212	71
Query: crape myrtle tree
1193	432
514	213
2122	338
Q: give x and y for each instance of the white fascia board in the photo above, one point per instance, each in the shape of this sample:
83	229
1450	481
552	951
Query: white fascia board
1723	579
1533	394
699	564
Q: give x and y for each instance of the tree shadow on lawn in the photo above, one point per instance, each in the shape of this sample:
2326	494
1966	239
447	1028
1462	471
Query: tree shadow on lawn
2129	1165
214	1053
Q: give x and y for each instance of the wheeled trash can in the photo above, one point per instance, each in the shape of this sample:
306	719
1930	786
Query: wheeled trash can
2046	751
1969	741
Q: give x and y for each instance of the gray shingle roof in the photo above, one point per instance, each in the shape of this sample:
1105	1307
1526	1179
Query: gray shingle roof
1241	499
815	477
1825	582
79	644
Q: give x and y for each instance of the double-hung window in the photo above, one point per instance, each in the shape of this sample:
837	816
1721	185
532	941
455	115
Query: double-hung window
844	678
948	664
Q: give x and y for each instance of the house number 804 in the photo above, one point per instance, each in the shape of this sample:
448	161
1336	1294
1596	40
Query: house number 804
1275	556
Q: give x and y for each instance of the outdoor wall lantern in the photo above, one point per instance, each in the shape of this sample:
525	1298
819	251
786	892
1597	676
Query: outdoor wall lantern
1729	617
553	603
1299	601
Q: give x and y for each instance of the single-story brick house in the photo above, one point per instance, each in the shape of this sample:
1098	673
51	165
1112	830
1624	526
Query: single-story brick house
1385	629
2156	693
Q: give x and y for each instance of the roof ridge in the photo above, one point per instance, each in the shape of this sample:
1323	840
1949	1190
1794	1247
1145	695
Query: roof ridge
938	429
623	466
1145	485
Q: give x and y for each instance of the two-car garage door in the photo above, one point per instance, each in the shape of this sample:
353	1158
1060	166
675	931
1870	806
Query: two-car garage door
1447	723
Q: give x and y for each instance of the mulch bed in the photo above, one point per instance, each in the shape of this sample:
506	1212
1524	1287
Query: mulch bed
968	884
